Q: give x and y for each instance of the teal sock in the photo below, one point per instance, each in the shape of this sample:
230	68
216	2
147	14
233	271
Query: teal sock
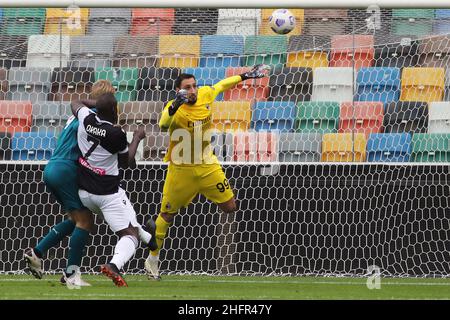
56	234
76	247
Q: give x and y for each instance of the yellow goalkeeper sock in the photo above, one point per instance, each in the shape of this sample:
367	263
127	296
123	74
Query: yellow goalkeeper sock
161	230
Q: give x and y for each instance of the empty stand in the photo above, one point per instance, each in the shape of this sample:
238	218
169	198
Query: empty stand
423	84
124	80
231	115
91	51
255	147
156	147
71	83
396	51
179	51
15	116
200	21
318	117
221	51
343	147
70	22
135	52
441	24
146	22
389	147
49	51
325	22
13	51
308	51
352	51
291	84
378	84
270	50
23	21
241	22
409	117
5	146
29	84
361	117
430	147
274	115
300	147
333	84
112	21
252	89
412	22
33	145
135	114
439	117
157	84
47	116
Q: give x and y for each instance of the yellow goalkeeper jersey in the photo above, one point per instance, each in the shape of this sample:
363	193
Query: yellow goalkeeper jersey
190	139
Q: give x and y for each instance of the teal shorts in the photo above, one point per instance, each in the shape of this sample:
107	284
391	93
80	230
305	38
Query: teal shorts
61	179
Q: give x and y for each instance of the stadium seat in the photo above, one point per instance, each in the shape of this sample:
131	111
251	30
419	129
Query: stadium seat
361	117
343	147
135	52
270	50
179	51
231	115
423	84
318	117
430	147
308	51
291	84
124	80
333	84
33	145
441	24
252	89
49	51
146	22
91	51
47	116
157	84
15	116
352	51
325	22
207	77
409	117
274	115
71	84
111	21
23	21
439	117
221	51
29	84
300	147
5	146
196	21
367	21
396	51
255	146
3	83
389	147
265	29
13	51
135	114
378	84
156	147
412	22
240	22
65	21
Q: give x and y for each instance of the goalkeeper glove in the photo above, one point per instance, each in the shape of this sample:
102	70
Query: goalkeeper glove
256	72
180	98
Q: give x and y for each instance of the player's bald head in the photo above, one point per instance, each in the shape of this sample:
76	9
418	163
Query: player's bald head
106	107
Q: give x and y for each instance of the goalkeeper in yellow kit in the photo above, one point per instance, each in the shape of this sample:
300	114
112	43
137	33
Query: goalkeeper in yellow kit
193	168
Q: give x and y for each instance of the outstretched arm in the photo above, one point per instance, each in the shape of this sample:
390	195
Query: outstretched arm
257	71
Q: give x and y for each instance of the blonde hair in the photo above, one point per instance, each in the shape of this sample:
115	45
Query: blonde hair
101	87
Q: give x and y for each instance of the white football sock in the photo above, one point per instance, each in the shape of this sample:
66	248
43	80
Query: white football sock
144	235
124	250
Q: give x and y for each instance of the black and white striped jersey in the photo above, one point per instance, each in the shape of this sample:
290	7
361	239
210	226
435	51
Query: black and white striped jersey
100	143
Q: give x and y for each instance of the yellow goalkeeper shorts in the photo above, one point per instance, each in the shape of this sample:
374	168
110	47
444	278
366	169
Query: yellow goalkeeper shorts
183	183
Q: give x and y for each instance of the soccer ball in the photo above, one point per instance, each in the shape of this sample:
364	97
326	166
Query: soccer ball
282	21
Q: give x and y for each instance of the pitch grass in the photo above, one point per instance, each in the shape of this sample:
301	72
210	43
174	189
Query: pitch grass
22	287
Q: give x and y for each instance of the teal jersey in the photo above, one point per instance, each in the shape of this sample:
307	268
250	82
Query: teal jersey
67	146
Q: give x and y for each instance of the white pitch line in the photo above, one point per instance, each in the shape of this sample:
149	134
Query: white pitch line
362	283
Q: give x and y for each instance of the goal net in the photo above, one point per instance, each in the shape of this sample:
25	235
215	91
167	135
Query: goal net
339	159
